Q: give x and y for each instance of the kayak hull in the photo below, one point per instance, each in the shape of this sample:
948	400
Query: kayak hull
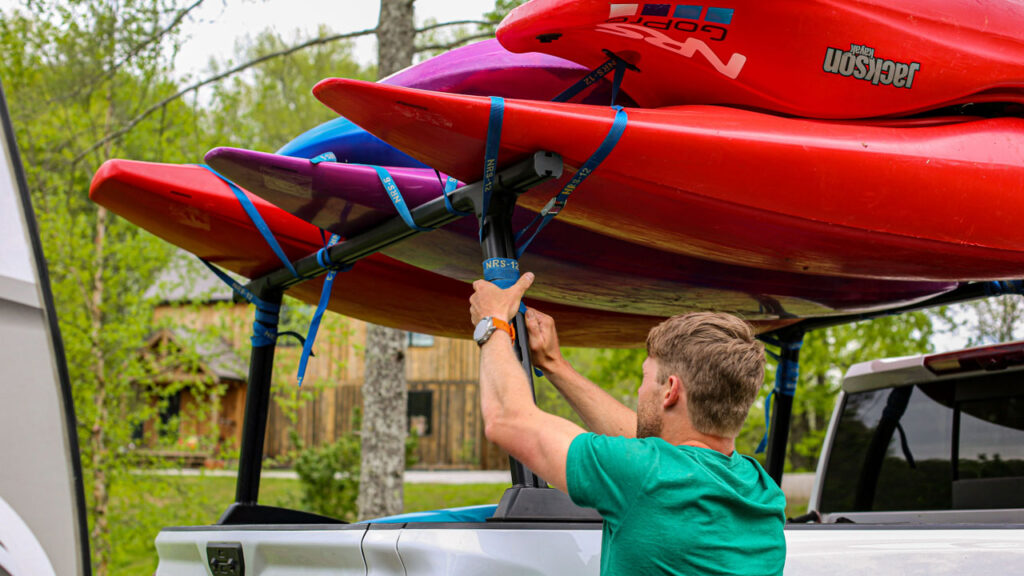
483	69
193	209
928	202
574	265
806	58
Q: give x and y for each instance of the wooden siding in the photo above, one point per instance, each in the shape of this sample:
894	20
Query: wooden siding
323	406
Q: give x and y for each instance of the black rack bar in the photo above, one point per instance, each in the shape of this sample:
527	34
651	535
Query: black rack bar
514	180
778	436
963	293
507	184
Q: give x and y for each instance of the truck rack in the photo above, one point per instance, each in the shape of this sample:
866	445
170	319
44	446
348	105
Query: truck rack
529	499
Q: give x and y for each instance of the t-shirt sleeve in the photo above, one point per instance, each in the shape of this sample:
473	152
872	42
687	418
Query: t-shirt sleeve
607	472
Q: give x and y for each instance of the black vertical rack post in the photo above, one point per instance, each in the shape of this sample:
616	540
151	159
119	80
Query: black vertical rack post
782	409
271	287
497	240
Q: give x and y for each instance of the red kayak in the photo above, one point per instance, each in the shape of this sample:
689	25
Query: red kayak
193	209
932	201
576	266
809	58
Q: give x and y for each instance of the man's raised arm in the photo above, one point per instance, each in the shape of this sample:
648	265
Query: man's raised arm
601	412
511	419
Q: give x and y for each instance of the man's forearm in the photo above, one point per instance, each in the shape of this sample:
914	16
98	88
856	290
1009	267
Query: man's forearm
600	412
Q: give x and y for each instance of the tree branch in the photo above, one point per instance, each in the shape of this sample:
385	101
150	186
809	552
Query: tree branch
453	23
215	78
124	129
454	43
135	50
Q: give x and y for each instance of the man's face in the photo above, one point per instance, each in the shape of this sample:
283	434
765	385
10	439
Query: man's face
648	406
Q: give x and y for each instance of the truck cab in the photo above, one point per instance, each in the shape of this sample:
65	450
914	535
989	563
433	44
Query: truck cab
929	439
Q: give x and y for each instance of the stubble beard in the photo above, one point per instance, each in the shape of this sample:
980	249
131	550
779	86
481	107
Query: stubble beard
648	422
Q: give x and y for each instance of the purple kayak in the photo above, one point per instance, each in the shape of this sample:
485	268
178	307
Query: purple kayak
481	69
574	266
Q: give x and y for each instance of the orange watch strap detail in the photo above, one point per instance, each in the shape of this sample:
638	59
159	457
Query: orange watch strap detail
506	326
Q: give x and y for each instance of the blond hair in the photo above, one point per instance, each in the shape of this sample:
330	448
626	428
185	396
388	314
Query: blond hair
720	364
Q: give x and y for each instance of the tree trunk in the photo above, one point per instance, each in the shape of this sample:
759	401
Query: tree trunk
384	425
396	35
384	389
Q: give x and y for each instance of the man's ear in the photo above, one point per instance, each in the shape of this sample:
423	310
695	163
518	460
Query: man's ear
673	391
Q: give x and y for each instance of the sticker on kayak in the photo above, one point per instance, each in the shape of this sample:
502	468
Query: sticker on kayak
860	63
650	22
684	11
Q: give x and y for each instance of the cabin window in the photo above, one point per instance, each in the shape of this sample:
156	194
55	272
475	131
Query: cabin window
417	340
421	411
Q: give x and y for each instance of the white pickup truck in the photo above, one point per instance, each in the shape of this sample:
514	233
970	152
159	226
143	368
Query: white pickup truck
922	472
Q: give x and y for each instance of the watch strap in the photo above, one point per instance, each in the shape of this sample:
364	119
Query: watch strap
507	327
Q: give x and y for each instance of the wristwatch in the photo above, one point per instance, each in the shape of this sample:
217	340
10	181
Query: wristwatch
486	326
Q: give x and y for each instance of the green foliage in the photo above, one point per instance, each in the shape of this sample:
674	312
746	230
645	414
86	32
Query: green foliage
329	473
273	102
826	355
501	9
981	322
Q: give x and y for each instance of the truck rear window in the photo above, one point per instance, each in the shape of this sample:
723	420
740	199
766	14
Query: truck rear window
957	444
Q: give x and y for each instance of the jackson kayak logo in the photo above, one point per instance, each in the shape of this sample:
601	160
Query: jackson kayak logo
860	62
650	22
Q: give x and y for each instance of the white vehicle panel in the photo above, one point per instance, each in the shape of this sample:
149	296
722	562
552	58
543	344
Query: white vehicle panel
268	551
501	551
913	551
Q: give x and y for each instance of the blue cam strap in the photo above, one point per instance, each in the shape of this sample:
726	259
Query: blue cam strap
396	198
325	157
264	327
614	63
449	186
491	150
254	215
323	259
555	205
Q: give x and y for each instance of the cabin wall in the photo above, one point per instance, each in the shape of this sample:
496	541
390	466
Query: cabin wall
444	373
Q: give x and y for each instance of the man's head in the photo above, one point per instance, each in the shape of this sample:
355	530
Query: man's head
720	366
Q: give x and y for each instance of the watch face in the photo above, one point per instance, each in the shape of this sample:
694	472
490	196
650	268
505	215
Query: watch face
484	329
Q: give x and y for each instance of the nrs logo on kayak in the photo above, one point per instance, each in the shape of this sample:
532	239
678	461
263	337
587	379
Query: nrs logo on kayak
860	63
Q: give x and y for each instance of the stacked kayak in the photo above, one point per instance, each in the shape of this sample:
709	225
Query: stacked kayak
809	58
573	265
482	69
853	167
926	202
192	208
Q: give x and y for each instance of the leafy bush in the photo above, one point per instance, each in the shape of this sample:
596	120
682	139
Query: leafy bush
329	473
330	476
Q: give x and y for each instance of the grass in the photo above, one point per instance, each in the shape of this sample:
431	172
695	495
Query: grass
144	504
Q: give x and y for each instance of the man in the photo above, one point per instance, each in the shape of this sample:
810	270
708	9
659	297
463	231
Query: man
675	495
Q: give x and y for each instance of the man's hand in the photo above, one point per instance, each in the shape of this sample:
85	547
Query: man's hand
489	300
544	348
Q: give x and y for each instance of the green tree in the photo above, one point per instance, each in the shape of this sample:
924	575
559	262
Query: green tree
273	102
825	357
76	71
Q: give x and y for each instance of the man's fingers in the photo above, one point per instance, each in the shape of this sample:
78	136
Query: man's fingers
524	283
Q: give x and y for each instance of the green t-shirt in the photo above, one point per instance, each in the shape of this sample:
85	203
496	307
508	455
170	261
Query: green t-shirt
678	509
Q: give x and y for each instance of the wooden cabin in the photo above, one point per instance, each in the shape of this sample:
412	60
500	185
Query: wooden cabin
441	373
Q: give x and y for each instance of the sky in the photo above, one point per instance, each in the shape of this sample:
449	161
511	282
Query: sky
213	29
218	24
